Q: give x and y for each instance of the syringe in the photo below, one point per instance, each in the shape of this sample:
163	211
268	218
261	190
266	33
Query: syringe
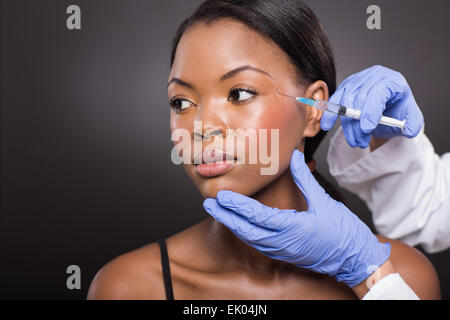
345	111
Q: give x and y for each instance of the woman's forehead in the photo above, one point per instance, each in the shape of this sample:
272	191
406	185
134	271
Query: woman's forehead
224	44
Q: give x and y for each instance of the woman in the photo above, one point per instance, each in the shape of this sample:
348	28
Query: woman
229	62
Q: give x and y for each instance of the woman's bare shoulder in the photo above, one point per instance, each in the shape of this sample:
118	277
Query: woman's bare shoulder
138	274
132	275
415	269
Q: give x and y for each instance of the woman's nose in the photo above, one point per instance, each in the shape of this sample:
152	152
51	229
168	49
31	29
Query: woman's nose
210	122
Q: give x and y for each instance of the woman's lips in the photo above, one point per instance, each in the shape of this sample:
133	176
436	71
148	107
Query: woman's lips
213	169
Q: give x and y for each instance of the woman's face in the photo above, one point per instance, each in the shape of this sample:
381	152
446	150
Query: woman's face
208	94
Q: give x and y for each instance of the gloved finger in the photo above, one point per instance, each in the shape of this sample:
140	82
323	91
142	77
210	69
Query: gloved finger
370	110
241	227
304	179
276	252
262	239
362	83
414	123
347	123
376	101
414	117
329	119
336	98
254	211
362	139
347	128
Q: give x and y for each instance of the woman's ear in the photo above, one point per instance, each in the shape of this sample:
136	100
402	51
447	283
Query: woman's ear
316	91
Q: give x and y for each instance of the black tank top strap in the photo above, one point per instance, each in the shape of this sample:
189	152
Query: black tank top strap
166	269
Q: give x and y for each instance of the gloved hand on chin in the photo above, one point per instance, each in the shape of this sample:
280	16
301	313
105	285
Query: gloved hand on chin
327	238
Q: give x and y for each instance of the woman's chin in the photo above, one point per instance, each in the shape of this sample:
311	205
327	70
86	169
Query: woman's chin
210	188
244	179
245	186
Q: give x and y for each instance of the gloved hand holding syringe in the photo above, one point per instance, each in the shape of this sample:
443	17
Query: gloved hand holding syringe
344	111
375	92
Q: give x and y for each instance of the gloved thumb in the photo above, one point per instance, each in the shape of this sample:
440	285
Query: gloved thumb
304	179
328	120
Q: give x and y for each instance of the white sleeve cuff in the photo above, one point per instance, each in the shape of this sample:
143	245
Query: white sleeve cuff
391	287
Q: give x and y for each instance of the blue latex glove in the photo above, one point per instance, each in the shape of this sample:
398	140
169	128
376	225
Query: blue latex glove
328	238
376	91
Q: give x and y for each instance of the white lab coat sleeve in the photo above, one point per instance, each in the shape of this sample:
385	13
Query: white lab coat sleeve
391	287
405	184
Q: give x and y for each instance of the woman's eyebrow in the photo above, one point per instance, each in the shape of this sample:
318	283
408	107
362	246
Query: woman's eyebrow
227	75
240	69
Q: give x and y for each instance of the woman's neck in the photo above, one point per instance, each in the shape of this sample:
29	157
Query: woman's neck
283	194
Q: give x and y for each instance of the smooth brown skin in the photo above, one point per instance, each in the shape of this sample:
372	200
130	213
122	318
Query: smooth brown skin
207	261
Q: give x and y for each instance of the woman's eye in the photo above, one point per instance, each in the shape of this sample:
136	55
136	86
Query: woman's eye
241	95
180	104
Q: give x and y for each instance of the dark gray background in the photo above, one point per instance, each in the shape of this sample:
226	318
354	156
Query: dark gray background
85	145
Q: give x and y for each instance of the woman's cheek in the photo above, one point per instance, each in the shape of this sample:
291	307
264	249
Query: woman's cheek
290	124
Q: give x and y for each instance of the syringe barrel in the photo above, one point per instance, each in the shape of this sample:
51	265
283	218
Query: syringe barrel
353	113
